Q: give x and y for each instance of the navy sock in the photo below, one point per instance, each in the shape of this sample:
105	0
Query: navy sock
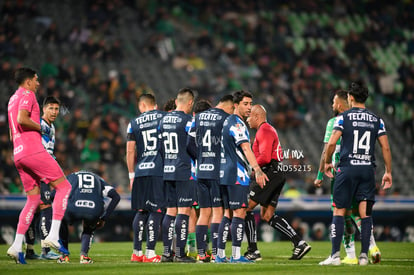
138	226
201	237
45	223
153	228
366	226
337	231
181	231
31	232
237	231
251	233
214	227
64	234
167	234
223	232
85	243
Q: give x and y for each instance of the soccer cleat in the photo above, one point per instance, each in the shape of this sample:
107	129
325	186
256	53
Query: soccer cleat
167	259
253	256
331	261
155	259
135	258
219	260
192	254
18	257
203	259
56	245
31	255
350	261
241	260
50	256
63	259
363	259
85	260
300	251
374	255
184	259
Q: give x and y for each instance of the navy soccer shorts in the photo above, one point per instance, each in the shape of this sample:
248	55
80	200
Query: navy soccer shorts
353	183
208	193
148	193
180	193
235	196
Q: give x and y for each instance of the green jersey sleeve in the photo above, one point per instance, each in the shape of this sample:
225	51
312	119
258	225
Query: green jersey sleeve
328	131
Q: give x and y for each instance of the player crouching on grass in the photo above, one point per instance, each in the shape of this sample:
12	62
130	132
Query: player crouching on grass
86	204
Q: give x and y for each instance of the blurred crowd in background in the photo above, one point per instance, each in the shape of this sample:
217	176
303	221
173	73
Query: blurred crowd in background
289	54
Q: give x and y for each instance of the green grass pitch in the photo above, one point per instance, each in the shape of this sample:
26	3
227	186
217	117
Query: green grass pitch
114	258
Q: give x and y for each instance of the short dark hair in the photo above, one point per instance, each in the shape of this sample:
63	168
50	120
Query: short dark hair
201	105
21	74
50	100
358	91
226	98
239	95
170	105
148	98
342	94
185	91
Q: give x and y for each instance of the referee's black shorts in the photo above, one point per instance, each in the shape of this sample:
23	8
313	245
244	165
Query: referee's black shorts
270	193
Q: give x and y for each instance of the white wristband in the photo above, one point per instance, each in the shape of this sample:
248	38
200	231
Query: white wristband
131	175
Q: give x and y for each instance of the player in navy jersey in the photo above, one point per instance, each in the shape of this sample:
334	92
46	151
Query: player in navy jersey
268	153
200	106
51	107
236	155
146	181
205	141
355	175
86	204
177	175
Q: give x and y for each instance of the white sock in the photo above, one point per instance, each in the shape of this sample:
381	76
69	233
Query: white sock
221	253
372	242
18	241
236	252
350	250
138	252
150	253
54	230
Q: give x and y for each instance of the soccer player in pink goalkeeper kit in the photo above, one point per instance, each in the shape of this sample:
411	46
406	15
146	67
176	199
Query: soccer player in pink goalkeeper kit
33	162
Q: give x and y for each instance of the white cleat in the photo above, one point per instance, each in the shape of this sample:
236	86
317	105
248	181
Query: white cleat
331	261
363	259
56	245
17	256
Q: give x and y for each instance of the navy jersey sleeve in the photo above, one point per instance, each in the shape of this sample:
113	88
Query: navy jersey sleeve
191	140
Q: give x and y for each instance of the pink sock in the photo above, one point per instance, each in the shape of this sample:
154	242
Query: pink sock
27	213
61	199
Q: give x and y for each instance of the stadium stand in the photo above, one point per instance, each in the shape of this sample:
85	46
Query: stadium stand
98	56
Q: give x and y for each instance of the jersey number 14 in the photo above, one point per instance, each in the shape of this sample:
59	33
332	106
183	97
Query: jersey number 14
361	143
